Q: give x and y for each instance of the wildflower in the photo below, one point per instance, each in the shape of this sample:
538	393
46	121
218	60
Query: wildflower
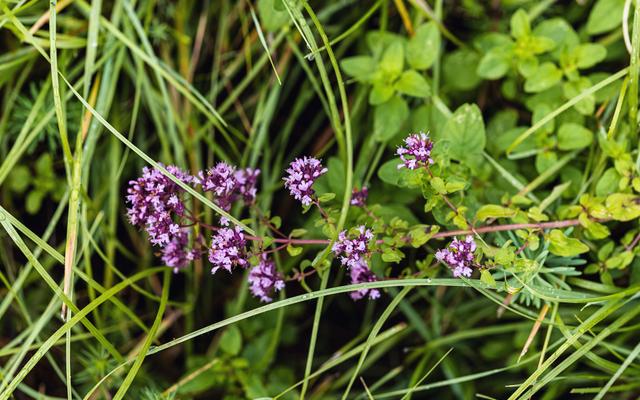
417	151
246	180
228	249
362	274
154	200
265	280
176	254
353	254
459	256
222	182
302	173
354	250
359	197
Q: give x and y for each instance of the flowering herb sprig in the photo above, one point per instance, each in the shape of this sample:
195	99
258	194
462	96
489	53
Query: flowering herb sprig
157	205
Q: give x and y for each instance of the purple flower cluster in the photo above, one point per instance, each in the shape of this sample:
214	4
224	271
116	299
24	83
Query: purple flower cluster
459	256
155	204
417	151
354	253
359	197
154	201
229	184
265	280
177	254
228	249
302	173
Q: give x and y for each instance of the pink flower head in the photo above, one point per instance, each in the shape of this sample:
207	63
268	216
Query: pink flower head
417	151
302	173
265	280
155	203
228	249
459	256
177	254
354	254
359	197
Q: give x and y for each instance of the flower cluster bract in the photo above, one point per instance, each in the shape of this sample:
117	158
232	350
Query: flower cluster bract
417	151
265	280
302	173
459	256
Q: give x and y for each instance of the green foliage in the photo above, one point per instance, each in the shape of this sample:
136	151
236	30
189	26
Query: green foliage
532	111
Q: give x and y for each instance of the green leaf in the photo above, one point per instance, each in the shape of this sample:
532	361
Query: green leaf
389	117
561	245
413	84
231	341
293	251
487	278
465	134
19	179
297	232
380	93
520	26
392	255
572	136
438	185
589	54
494	64
422	234
545	76
423	47
276	221
494	211
360	67
392	61
605	16
608	182
623	206
272	14
326	197
460	68
34	201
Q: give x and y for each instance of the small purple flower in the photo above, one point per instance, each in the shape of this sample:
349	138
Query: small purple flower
417	152
265	280
154	202
362	274
176	254
459	256
302	173
359	197
354	254
222	182
228	249
354	251
246	184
